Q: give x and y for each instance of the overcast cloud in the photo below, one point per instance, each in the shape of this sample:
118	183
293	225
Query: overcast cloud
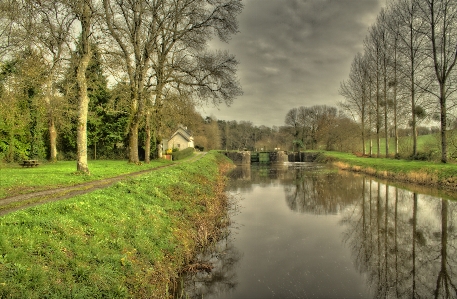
293	53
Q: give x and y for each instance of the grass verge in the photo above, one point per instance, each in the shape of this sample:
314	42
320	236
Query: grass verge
418	172
18	180
129	240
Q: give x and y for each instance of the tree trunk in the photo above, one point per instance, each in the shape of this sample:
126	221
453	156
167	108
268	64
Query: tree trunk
81	158
81	155
51	123
378	116
133	142
443	126
363	124
159	150
386	124
147	142
52	139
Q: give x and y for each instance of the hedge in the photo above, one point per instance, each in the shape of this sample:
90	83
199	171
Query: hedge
179	155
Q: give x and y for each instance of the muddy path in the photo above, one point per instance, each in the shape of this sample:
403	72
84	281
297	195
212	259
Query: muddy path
18	202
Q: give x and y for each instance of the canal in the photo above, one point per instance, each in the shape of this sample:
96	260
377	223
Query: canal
304	230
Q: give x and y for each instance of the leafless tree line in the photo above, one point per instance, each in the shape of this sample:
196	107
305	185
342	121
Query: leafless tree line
158	48
320	126
405	74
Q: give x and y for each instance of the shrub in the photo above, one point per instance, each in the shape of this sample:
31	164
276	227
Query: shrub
179	155
421	157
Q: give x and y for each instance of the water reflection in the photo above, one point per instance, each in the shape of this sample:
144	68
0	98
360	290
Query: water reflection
222	279
308	231
404	241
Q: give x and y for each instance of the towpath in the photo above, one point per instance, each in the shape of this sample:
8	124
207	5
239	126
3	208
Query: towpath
14	203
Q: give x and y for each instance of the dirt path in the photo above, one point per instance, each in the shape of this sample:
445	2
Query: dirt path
14	203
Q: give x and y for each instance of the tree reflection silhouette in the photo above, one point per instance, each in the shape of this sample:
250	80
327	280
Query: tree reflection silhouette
393	236
403	242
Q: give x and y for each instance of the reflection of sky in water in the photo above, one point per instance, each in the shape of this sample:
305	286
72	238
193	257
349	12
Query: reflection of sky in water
307	232
291	255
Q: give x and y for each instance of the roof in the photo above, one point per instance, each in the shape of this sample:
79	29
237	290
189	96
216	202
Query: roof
184	133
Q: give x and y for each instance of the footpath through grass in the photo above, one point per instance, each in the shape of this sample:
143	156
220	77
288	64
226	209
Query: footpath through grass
421	172
15	179
126	241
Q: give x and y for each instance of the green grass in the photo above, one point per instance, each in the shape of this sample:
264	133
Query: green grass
125	241
442	171
18	180
405	145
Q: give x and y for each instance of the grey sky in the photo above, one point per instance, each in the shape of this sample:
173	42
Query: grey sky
293	53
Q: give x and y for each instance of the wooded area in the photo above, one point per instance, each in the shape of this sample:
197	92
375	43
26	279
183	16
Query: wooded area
93	79
406	75
108	74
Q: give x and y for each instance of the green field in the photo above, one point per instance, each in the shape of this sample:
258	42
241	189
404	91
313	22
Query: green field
127	240
426	144
18	180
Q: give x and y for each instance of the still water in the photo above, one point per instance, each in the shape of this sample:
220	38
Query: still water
304	230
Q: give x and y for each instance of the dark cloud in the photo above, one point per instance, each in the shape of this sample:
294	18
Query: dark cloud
294	53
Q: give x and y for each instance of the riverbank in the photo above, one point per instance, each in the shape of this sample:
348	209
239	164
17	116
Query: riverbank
426	173
129	240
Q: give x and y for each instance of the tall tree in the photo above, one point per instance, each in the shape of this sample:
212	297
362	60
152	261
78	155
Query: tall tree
355	91
162	44
441	18
53	21
412	43
132	27
385	53
292	121
84	12
373	49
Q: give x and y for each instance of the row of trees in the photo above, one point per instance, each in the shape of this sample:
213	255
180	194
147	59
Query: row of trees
321	126
316	127
406	73
153	51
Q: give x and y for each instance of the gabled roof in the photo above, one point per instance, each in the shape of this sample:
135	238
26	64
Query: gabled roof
184	133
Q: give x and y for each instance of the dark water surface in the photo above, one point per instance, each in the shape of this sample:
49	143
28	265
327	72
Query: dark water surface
303	230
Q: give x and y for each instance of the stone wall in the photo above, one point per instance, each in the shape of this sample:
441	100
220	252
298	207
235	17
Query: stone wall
239	158
302	157
278	157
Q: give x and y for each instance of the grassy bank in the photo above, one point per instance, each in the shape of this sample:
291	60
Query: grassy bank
18	180
126	241
418	172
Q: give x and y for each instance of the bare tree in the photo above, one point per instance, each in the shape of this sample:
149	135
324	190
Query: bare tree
54	22
131	25
411	47
393	26
373	49
292	120
441	19
162	45
355	91
385	53
84	12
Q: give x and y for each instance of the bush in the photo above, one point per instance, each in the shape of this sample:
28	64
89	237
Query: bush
421	156
179	155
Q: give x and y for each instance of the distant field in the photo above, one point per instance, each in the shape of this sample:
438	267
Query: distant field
425	144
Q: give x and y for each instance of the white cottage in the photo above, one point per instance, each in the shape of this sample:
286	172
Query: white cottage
181	139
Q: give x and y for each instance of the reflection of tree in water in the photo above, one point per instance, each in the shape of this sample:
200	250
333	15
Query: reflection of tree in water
404	242
220	280
321	192
240	178
244	177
